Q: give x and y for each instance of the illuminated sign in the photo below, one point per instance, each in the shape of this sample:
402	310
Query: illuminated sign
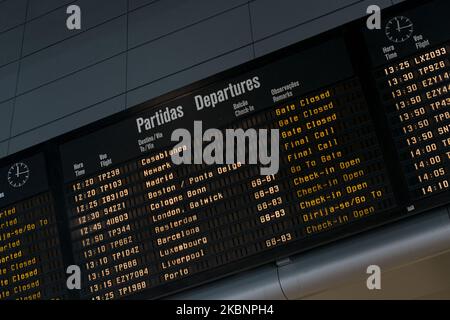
363	124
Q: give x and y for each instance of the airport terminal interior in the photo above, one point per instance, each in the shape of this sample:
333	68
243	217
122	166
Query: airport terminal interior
229	150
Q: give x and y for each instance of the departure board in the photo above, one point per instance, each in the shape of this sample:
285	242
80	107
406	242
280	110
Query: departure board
352	125
139	222
31	265
412	73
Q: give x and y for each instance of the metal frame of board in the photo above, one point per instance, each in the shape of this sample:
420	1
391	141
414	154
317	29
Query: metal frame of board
404	242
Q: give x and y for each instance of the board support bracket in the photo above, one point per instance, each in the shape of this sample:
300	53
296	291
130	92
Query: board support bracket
283	262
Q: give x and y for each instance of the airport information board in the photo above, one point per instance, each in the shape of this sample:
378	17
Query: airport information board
364	137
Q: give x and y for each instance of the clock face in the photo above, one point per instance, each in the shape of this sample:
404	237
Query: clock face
399	29
18	175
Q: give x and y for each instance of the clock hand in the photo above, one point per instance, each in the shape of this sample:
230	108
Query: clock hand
398	25
404	27
17	174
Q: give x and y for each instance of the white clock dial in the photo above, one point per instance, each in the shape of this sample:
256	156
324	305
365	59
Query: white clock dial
399	29
18	175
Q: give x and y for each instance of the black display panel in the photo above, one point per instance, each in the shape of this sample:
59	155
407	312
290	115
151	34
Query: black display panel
31	261
411	68
361	144
161	223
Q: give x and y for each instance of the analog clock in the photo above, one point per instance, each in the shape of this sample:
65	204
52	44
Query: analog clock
18	175
399	29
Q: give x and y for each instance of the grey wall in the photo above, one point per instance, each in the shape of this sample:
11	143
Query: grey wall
53	80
